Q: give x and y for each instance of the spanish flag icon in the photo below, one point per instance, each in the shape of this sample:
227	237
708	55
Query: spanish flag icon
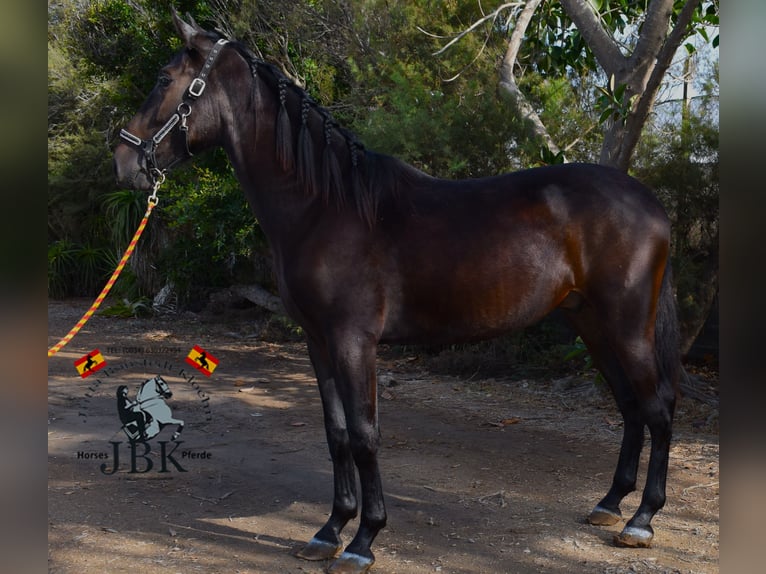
202	360
90	363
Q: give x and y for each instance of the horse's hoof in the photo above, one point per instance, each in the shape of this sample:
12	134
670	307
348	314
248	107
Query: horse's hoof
635	537
601	516
350	563
318	550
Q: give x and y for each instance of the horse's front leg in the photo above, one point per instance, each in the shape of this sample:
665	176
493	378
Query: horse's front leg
354	366
179	428
327	542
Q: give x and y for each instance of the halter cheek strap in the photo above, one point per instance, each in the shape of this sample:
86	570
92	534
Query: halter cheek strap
183	111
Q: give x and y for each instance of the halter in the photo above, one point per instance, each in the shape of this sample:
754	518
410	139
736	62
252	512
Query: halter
183	111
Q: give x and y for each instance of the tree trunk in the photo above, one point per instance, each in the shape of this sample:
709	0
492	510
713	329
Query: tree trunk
641	71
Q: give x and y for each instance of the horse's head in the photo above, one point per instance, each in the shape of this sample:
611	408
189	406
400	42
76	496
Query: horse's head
153	388
162	387
180	115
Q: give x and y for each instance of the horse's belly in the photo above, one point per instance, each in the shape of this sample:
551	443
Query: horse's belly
479	307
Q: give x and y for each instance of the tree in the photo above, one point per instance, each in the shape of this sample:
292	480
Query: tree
632	43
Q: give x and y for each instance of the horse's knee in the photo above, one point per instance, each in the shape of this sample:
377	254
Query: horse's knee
364	443
338	442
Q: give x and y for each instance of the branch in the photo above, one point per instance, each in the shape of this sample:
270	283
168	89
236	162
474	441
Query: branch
224	298
653	32
604	47
508	84
491	16
514	44
670	47
651	86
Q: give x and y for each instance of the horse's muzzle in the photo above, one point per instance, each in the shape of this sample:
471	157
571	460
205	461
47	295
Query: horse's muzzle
130	169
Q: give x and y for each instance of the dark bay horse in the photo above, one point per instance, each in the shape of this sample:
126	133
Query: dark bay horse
368	249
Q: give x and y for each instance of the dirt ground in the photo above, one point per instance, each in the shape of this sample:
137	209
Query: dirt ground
481	475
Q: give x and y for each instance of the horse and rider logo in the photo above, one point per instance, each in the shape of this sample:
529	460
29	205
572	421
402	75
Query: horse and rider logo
143	418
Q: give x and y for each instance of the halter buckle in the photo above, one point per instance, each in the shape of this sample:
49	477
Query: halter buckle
197	87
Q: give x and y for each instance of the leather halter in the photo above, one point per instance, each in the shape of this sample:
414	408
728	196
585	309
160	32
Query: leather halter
183	111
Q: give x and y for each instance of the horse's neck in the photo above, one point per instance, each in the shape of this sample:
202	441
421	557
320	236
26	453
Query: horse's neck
276	198
285	212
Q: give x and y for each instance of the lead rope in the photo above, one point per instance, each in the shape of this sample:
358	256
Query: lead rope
152	202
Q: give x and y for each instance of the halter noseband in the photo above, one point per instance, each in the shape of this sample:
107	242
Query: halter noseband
183	111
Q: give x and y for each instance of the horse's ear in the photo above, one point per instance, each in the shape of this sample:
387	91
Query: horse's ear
186	32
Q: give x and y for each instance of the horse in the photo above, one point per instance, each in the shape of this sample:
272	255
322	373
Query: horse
150	401
368	249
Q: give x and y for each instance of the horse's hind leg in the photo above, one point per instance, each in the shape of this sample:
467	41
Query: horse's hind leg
655	405
607	511
650	356
646	398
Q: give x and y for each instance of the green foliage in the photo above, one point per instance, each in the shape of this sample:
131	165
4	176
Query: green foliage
579	350
704	20
555	48
61	267
427	124
212	229
562	107
612	103
72	266
125	308
124	209
416	106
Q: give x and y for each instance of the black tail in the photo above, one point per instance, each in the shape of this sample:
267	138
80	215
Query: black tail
666	333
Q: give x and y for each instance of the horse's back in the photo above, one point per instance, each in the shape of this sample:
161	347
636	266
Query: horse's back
580	186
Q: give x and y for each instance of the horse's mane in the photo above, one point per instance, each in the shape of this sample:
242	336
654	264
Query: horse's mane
373	177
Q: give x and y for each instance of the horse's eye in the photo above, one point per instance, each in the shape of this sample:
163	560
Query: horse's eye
164	81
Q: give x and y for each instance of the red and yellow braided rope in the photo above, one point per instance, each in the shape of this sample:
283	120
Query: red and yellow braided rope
58	346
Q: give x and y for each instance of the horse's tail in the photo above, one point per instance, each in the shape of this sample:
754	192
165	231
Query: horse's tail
666	333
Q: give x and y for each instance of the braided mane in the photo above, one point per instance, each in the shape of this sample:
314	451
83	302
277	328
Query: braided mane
368	176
